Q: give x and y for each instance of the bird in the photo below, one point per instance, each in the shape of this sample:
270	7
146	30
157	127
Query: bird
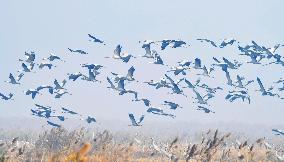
32	92
4	97
53	57
172	105
118	55
157	58
134	122
92	66
231	65
175	87
78	51
201	100
206	110
165	43
179	69
278	132
13	80
178	43
240	83
226	42
209	41
96	40
184	63
206	72
30	57
53	124
50	88
120	88
60	93
46	64
74	76
189	84
197	63
229	80
59	86
263	91
65	110
158	111
91	76
159	84
27	68
233	95
128	77
147	46
91	119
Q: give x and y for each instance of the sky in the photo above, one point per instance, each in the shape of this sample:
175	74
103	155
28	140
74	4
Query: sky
53	26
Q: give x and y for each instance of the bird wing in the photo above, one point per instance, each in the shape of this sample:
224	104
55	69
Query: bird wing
215	59
141	119
262	89
25	67
121	85
110	82
130	72
170	79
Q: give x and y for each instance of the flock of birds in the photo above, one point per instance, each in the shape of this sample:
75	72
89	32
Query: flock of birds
204	93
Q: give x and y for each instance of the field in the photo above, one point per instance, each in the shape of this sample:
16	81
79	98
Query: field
60	145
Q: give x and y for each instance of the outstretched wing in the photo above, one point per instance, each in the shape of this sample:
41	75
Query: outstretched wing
133	121
260	85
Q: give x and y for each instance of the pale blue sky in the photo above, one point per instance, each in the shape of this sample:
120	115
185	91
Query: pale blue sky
53	26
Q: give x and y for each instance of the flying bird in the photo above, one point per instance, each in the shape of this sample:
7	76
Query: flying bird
278	132
78	51
27	68
13	80
209	41
172	105
134	122
53	124
53	57
96	40
226	42
205	109
46	64
32	92
74	76
30	57
91	119
4	97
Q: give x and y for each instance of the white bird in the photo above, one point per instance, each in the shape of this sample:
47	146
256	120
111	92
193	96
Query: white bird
4	97
134	122
13	80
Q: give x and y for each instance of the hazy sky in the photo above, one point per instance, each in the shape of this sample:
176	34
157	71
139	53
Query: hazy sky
52	26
